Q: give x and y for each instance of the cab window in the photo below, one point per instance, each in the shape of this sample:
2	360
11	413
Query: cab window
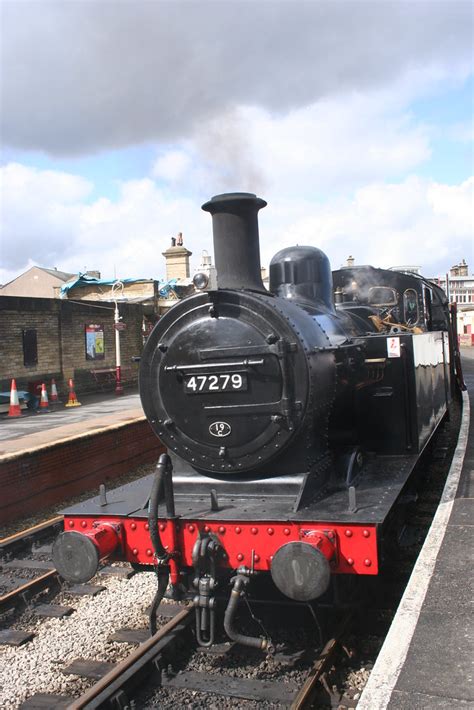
382	296
410	306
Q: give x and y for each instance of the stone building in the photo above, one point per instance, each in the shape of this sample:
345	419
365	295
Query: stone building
37	282
44	338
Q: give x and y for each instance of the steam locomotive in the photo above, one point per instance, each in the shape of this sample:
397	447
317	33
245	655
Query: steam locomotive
293	419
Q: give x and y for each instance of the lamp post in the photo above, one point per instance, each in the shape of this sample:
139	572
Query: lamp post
118	327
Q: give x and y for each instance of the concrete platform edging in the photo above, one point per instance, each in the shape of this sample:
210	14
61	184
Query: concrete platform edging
93	431
378	691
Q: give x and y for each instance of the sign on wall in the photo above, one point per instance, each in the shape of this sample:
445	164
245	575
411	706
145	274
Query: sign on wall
95	349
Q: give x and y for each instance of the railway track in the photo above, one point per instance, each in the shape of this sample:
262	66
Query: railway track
20	555
151	661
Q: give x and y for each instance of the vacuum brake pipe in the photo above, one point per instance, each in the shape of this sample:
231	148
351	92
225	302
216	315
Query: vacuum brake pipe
161	554
238	586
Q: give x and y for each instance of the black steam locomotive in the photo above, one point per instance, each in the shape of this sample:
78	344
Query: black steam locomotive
293	418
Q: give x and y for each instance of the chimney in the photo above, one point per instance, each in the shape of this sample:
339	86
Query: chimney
236	240
177	259
350	261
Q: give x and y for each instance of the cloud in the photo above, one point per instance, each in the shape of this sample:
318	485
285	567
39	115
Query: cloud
39	213
80	77
414	221
172	166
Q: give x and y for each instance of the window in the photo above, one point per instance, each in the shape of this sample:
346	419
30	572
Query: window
410	306
427	298
382	296
30	347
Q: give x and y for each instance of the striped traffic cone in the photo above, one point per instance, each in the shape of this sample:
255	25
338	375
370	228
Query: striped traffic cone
72	401
54	393
44	403
14	410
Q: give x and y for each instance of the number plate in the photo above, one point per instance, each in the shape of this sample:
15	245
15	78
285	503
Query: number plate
223	382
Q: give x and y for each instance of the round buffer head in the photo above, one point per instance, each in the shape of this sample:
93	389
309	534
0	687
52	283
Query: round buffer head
300	571
75	557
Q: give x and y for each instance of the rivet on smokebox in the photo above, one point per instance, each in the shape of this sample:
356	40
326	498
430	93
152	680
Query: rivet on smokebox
147	527
162	527
135	551
366	533
350	561
191	528
270	531
133	526
206	528
238	530
149	552
83	524
240	557
348	533
254	531
286	531
367	563
256	558
71	523
222	529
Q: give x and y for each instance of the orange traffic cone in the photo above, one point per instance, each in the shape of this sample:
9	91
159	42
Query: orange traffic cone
14	410
44	403
54	393
72	401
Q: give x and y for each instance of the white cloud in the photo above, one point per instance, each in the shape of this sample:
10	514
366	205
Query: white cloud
39	214
172	166
414	221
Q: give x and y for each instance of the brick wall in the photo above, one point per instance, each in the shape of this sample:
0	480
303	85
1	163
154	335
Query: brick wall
32	482
60	327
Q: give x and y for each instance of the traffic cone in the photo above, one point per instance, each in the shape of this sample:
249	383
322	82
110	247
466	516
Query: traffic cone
54	393
44	403
72	401
14	410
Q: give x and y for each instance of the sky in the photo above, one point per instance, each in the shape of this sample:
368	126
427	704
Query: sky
353	119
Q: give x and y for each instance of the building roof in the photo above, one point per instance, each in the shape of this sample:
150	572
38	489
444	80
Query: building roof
63	275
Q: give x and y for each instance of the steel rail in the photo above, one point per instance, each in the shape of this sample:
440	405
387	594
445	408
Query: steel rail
320	666
107	687
28	532
33	585
8	545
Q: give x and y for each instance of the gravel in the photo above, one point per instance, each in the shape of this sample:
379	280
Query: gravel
37	666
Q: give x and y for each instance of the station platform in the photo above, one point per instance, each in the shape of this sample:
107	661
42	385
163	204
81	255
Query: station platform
32	429
427	660
48	458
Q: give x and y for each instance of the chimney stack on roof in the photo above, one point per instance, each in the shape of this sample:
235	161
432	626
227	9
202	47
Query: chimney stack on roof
177	259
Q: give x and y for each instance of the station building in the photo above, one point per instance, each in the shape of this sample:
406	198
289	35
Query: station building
60	325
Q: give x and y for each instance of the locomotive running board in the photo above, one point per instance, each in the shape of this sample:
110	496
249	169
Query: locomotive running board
380	484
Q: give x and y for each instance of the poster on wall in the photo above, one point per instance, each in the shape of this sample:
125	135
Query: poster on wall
95	342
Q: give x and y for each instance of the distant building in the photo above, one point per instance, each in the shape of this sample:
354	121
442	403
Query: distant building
407	269
37	282
459	288
458	285
206	267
